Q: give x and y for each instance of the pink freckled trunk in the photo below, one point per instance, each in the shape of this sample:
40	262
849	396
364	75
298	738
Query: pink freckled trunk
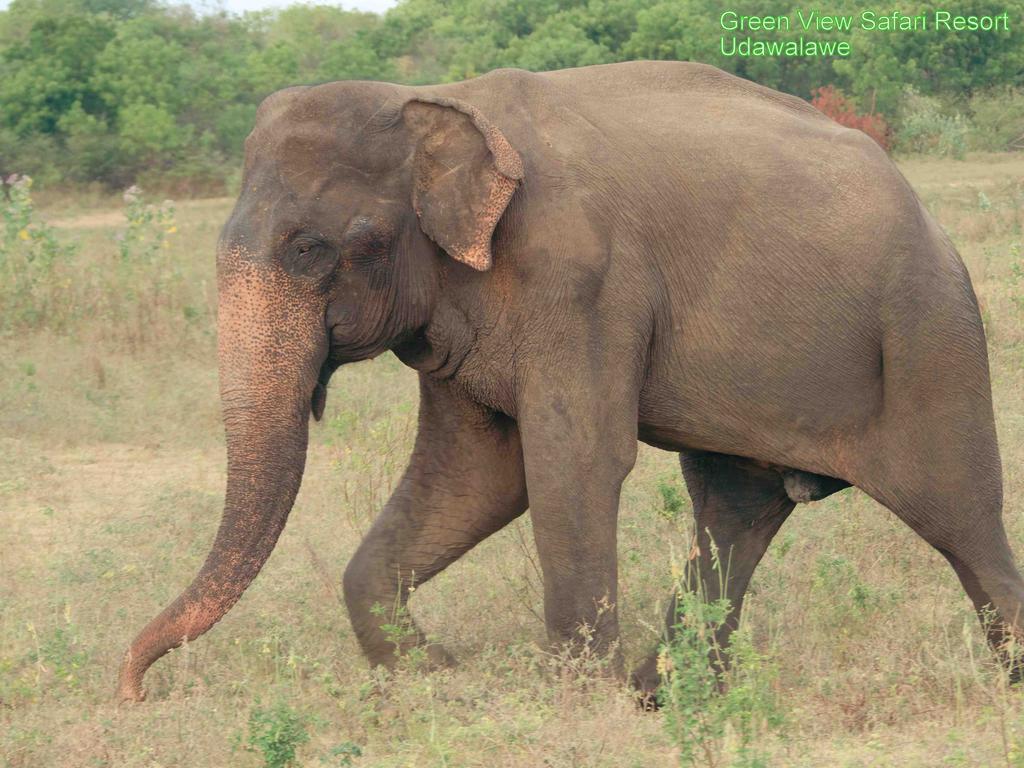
265	390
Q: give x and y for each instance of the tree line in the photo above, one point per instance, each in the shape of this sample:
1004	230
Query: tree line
115	91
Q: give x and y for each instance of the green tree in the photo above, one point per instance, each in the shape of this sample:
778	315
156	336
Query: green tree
558	42
44	75
112	90
947	63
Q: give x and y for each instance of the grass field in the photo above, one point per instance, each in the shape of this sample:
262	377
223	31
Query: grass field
111	481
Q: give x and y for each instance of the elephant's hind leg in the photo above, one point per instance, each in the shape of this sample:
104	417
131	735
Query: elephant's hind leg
997	592
958	510
738	507
930	453
464	482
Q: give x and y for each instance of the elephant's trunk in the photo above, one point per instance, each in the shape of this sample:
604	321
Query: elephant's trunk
268	375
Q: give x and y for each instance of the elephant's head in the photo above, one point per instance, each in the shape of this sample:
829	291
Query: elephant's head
355	198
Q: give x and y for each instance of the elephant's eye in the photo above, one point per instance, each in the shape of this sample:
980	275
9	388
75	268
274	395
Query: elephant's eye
310	257
304	244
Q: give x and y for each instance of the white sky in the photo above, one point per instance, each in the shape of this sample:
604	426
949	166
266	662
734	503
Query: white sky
237	6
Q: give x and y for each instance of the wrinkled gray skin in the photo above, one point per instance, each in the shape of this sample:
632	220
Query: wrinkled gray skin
678	256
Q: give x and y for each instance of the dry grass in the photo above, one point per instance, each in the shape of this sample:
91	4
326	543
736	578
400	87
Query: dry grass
111	479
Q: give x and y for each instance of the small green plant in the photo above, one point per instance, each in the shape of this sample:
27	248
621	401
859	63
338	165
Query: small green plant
149	226
672	501
399	630
844	595
342	755
752	701
144	287
706	698
29	253
690	697
61	651
276	733
58	656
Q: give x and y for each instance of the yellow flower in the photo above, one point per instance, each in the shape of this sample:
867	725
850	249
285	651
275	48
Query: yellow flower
171	230
23	234
664	664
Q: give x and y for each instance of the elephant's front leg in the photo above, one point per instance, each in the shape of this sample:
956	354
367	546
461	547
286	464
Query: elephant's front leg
579	443
463	483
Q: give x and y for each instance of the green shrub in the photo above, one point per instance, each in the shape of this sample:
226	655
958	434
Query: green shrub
342	755
997	122
707	702
29	255
142	288
61	654
36	155
673	503
925	129
148	227
276	733
136	283
91	150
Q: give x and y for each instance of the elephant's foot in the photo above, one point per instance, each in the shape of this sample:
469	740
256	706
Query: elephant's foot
427	655
644	680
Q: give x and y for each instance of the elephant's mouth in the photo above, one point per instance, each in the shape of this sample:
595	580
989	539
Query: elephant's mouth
318	400
341	352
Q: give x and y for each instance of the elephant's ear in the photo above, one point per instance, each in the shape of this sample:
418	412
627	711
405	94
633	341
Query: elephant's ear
465	173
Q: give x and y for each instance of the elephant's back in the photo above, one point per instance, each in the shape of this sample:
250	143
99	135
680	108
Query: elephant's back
669	123
642	94
673	81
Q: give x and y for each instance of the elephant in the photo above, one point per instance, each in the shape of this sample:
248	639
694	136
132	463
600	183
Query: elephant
573	262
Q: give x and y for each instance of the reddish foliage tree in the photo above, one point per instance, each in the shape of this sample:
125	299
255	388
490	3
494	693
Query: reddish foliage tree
834	103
